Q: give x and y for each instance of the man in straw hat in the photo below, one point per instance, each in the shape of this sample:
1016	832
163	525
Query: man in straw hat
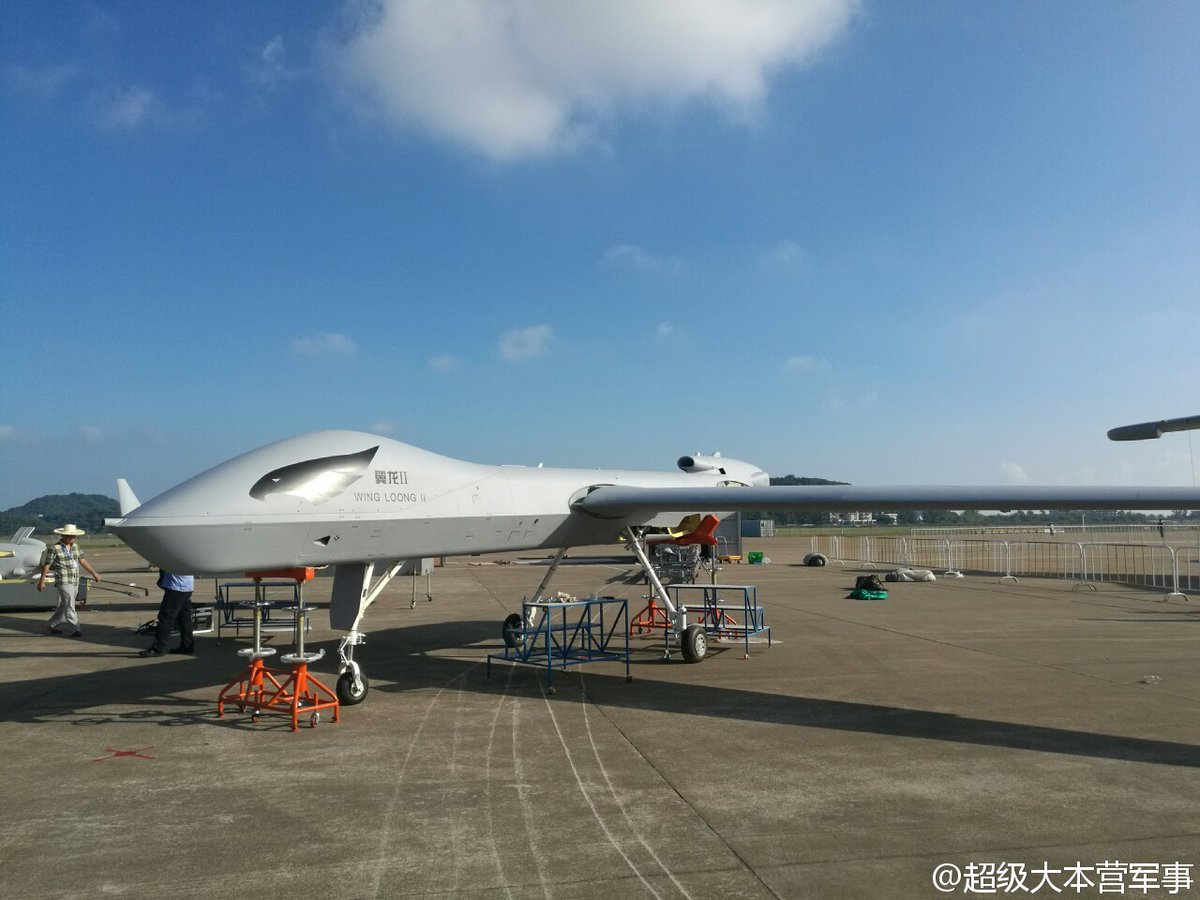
65	559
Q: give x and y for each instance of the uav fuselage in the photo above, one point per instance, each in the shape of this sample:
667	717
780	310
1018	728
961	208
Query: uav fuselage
332	497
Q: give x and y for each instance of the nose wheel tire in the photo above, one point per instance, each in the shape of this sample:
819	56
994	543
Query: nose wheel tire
349	693
694	644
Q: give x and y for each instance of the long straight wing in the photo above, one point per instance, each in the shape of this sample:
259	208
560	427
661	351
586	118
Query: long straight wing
613	501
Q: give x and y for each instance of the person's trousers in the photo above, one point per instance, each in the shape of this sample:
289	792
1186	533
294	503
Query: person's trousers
175	610
65	611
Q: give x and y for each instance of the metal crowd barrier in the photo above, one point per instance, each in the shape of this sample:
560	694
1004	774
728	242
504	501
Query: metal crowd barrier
1174	569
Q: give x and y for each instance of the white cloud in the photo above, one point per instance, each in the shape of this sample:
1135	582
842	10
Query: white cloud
1013	473
39	82
91	433
125	109
525	343
805	363
632	256
271	69
324	345
130	108
100	24
274	56
511	79
786	255
665	331
445	362
383	426
113	108
7	434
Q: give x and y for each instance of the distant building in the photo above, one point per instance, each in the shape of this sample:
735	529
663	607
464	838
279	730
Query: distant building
852	519
758	528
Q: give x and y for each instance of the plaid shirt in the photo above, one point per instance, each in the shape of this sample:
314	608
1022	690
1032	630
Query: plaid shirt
64	562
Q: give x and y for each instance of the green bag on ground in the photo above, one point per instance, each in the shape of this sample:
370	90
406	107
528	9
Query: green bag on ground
861	594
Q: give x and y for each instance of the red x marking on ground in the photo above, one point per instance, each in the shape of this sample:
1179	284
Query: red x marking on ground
137	754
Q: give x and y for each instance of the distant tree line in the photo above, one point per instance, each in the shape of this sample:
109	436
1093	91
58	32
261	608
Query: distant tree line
792	517
88	511
970	517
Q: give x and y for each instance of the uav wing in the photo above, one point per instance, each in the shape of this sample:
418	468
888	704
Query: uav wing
1148	430
616	502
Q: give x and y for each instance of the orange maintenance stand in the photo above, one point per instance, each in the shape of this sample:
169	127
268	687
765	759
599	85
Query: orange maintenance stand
258	688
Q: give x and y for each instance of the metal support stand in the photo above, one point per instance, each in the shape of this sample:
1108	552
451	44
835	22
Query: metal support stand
301	691
565	633
258	688
428	590
251	684
650	618
719	620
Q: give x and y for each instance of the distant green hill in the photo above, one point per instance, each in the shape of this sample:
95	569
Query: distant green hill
88	511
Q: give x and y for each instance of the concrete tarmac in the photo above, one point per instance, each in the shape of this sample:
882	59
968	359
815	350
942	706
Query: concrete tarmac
965	726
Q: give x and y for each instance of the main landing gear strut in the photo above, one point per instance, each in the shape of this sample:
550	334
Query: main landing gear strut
693	642
352	593
692	639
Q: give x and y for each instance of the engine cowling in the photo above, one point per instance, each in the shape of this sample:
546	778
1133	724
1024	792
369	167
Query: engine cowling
699	463
738	472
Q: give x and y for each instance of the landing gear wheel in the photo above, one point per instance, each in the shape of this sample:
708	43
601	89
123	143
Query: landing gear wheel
512	630
694	644
348	693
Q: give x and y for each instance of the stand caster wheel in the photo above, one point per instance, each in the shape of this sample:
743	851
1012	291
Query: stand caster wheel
314	719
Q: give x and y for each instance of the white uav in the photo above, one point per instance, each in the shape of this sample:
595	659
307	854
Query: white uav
366	504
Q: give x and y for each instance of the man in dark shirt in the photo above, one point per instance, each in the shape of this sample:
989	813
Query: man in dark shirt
176	609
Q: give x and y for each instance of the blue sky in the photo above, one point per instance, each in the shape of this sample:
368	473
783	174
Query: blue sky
927	242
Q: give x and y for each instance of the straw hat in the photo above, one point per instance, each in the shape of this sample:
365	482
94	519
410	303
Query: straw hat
70	529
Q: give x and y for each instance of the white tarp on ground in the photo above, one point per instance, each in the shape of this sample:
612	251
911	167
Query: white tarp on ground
907	574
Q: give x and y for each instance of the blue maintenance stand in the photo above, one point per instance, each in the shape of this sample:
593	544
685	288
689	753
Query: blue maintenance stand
281	604
742	617
558	634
